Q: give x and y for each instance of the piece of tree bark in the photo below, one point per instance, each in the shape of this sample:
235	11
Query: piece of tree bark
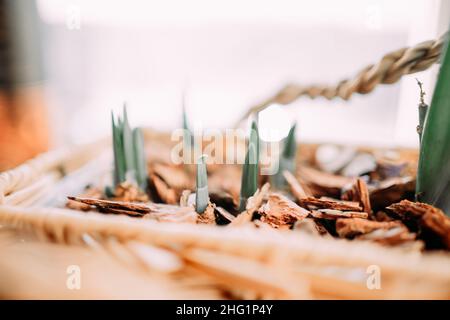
253	204
391	191
331	204
359	193
332	214
347	228
139	208
280	211
430	219
322	183
93	193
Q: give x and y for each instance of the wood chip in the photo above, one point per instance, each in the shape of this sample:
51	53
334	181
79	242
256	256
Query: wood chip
139	208
346	202
322	183
359	193
255	201
364	198
331	204
280	211
431	219
332	214
253	204
155	211
120	211
92	193
391	191
348	228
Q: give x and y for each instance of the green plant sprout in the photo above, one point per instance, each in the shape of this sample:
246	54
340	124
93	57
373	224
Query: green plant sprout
201	191
286	159
433	174
249	183
188	136
129	152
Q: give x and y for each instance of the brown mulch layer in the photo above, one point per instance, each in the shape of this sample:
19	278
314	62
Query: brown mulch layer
374	207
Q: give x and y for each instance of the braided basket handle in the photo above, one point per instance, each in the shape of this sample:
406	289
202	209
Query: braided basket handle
388	70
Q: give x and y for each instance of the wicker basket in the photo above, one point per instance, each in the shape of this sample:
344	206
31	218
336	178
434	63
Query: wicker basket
124	257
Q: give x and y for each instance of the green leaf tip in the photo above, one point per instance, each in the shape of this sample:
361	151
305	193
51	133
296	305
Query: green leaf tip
249	182
286	160
201	192
433	174
188	135
128	147
128	151
119	160
254	139
140	158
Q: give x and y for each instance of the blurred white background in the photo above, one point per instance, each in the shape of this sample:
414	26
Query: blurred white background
228	56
